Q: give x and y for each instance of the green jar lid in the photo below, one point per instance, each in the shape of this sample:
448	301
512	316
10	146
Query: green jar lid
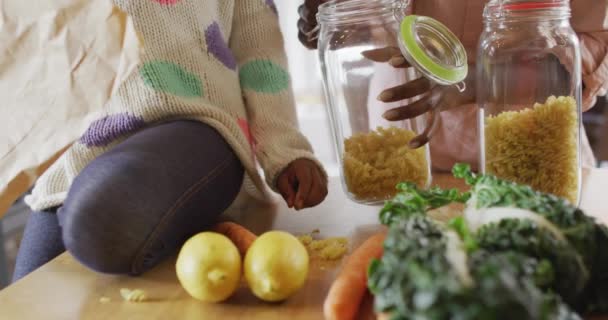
433	50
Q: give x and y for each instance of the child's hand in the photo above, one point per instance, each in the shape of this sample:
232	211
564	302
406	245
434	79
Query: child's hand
302	184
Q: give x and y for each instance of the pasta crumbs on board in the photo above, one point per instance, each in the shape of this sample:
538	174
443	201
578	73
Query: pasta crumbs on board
136	295
537	146
374	163
329	249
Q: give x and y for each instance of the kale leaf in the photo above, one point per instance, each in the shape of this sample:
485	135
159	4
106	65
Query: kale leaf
412	200
415	280
520	269
524	236
584	233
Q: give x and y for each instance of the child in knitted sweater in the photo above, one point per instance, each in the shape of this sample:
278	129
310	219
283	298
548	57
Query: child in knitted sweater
179	141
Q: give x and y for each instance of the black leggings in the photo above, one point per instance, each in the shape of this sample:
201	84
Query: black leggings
138	203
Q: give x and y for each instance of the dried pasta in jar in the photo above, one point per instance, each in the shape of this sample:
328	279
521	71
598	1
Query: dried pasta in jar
536	146
375	162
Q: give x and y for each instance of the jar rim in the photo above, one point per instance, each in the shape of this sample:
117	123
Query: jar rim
420	37
517	10
352	11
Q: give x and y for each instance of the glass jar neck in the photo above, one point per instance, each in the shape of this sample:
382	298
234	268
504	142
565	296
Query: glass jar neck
528	24
341	12
517	11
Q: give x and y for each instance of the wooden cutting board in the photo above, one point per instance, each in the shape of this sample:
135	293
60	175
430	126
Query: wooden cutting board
65	290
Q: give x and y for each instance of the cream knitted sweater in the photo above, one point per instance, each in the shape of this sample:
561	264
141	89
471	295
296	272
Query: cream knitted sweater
221	62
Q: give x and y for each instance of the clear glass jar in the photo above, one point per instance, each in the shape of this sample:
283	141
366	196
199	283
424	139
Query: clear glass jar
529	94
374	153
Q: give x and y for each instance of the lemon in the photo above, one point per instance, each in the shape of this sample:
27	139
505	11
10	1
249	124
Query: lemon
276	266
209	267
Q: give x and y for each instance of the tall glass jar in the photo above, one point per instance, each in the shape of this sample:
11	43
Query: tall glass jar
529	94
374	153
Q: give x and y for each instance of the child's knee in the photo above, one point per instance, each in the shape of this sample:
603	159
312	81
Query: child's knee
93	232
93	243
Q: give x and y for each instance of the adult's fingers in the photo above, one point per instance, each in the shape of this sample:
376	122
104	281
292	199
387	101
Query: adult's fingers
431	126
382	54
308	10
305	27
308	21
399	61
307	41
405	91
409	111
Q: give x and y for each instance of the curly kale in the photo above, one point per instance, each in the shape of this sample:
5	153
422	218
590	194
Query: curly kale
488	191
412	200
584	234
521	270
507	288
595	295
415	280
527	238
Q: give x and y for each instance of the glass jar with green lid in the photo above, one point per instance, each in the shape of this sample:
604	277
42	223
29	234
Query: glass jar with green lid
375	154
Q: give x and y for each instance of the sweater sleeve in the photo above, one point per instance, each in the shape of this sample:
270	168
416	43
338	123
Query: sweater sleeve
257	44
590	20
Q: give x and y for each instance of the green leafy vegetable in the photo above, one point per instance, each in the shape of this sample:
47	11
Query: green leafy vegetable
507	288
524	236
416	280
588	238
537	265
411	200
459	225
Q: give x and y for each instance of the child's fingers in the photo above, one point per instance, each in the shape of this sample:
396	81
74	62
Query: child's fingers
286	190
293	183
318	191
304	176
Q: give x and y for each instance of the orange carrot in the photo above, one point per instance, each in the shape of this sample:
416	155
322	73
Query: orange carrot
348	290
239	235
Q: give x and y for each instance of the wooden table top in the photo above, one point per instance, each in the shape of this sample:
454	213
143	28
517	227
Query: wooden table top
65	290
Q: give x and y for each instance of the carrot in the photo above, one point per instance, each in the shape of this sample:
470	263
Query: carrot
239	235
349	288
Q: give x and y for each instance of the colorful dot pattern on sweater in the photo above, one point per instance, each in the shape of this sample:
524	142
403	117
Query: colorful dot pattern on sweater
216	45
246	130
202	60
104	131
264	76
171	78
272	5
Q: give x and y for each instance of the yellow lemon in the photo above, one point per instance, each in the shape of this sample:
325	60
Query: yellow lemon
276	266
209	267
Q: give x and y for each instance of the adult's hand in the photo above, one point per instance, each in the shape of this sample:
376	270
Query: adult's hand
432	98
308	22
